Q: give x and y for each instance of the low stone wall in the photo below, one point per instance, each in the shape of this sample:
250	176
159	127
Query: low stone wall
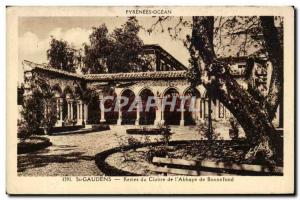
27	146
144	131
113	171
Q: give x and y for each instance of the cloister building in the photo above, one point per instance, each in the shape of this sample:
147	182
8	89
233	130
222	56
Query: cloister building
80	98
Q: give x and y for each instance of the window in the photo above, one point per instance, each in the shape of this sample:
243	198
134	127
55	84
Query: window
162	65
241	69
168	67
221	110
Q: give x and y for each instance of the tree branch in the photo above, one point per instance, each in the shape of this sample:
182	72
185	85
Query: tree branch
219	84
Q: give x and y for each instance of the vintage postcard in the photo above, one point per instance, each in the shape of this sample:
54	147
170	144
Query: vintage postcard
150	100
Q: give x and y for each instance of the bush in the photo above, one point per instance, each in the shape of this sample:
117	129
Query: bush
133	141
205	132
166	133
39	110
23	132
158	151
31	115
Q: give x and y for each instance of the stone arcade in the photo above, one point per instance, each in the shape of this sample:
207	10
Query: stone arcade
166	77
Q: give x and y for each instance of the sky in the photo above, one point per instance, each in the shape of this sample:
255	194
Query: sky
35	32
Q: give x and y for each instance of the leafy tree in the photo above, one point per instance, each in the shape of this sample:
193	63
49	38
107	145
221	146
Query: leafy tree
31	115
253	37
119	51
61	56
253	115
39	111
99	49
50	109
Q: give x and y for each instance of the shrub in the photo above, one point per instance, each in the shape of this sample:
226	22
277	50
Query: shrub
122	143
166	133
23	132
133	141
50	113
205	132
159	151
39	110
31	115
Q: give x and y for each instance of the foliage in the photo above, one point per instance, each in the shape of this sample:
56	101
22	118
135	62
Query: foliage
31	115
234	131
159	151
119	51
23	131
133	141
122	143
205	132
50	113
166	133
61	56
39	110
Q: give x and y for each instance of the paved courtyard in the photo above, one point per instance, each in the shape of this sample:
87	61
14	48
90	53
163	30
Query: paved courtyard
73	155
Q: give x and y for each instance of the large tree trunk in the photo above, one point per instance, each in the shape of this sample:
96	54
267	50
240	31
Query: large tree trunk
275	54
216	78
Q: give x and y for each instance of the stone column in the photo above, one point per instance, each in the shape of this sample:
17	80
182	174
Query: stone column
119	122
85	116
68	109
61	101
158	116
182	112
57	108
101	105
217	109
162	110
45	110
71	112
137	121
198	109
59	111
79	113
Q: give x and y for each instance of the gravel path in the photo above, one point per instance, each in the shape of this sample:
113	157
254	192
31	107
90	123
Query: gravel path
73	155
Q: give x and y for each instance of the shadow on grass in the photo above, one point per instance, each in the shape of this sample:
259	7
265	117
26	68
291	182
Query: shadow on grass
42	158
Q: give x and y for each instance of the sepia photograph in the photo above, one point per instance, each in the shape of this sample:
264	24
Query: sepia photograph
149	93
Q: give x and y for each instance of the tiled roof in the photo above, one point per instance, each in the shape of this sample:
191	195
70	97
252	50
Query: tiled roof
44	67
136	76
110	77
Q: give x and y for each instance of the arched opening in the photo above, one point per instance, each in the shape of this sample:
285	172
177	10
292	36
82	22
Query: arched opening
191	106
147	113
93	110
56	90
111	116
128	116
172	113
69	97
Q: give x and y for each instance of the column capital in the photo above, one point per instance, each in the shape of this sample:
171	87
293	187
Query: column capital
60	100
100	93
70	100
